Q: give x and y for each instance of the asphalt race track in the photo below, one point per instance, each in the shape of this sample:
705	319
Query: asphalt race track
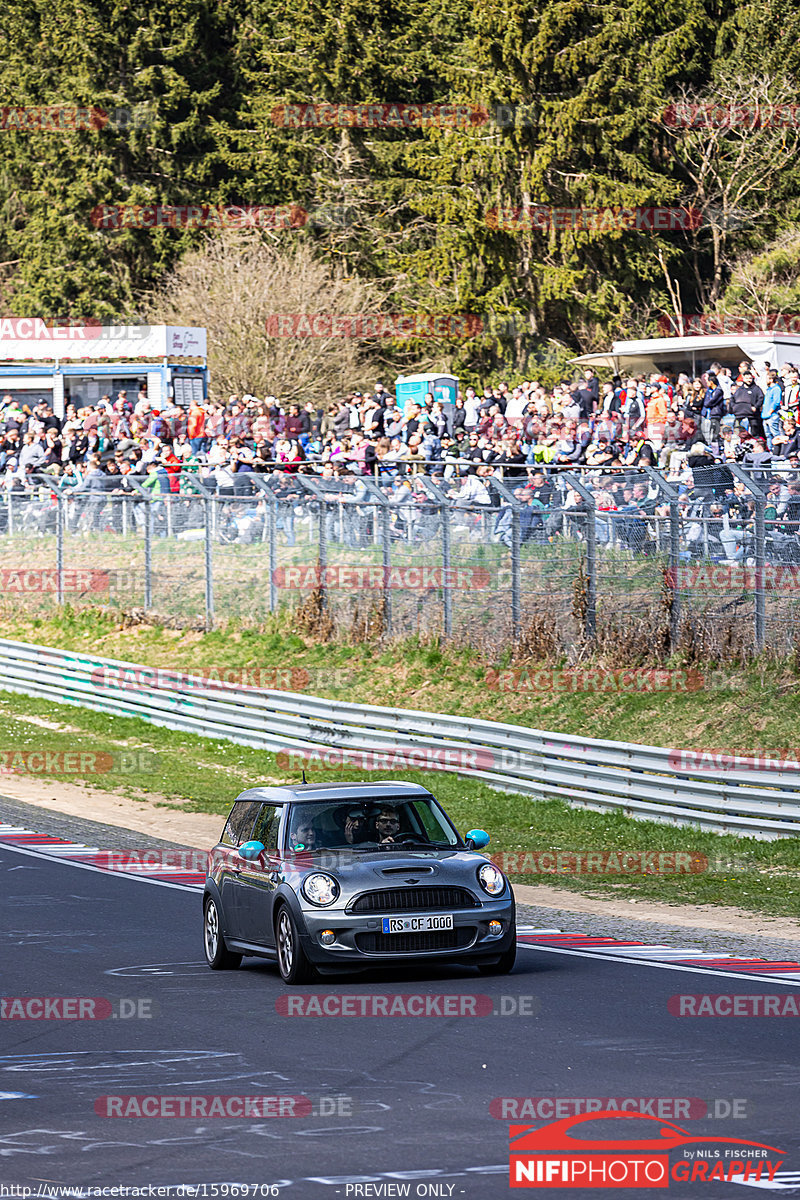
400	1100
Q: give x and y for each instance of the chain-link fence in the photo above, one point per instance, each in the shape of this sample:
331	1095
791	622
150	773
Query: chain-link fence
560	564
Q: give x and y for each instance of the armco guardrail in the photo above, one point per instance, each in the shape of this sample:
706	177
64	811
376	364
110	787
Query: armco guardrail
640	781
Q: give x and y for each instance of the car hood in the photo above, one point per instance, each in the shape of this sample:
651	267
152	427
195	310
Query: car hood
388	868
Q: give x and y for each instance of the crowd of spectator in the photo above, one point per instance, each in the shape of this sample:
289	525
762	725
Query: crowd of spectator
527	435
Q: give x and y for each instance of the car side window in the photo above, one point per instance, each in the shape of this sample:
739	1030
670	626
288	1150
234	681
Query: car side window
240	822
429	823
266	827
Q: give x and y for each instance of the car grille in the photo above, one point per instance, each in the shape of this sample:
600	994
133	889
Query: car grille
412	943
418	899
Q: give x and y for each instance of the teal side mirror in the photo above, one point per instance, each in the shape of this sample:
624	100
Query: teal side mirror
251	850
476	839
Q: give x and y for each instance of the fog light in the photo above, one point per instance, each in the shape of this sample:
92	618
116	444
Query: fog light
495	928
327	937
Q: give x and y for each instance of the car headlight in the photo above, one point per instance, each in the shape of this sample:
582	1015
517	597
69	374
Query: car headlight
320	889
491	880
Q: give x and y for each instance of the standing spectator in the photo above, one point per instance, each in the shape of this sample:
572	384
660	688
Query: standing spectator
713	409
746	403
196	427
471	407
771	408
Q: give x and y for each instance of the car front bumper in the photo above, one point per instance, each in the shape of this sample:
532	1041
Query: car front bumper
359	939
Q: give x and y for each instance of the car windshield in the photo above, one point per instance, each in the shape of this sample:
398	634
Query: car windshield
393	824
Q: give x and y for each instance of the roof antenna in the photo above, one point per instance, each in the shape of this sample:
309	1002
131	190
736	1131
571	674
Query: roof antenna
304	775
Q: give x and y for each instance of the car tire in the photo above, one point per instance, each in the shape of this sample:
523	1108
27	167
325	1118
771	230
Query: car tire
293	962
218	956
503	964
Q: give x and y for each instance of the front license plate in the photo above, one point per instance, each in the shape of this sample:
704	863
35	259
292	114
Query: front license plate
417	924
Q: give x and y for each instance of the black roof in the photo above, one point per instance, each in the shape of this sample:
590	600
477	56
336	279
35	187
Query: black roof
309	792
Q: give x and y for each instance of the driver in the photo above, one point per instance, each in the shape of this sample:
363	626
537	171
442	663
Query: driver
387	824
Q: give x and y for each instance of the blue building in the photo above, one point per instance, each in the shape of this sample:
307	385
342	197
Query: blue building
78	364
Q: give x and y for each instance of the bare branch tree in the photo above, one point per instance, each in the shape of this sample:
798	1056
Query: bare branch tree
740	134
234	283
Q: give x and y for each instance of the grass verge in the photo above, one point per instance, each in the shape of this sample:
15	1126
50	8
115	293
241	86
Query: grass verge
201	775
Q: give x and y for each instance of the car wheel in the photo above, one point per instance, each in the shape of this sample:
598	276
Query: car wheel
293	962
218	956
502	965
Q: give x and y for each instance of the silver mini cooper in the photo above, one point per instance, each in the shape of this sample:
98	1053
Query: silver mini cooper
336	877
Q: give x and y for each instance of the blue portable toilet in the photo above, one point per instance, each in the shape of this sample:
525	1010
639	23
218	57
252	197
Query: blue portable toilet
411	389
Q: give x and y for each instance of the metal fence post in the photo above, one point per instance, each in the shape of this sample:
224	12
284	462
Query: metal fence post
446	568
59	549
444	509
148	556
323	551
760	552
674	563
502	487
386	551
761	560
209	564
590	620
272	510
671	495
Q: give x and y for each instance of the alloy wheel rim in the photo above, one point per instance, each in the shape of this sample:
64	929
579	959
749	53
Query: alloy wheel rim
285	946
212	930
